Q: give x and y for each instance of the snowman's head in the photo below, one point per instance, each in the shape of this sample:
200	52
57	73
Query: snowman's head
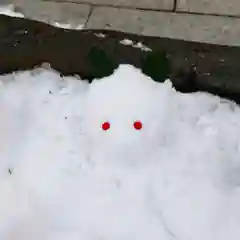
127	113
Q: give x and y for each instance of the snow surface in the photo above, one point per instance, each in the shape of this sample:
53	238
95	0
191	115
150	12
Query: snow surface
63	178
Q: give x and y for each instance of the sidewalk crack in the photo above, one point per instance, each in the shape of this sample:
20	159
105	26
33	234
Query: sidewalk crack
89	15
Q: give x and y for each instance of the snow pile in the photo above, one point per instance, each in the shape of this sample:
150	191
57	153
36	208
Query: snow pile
63	177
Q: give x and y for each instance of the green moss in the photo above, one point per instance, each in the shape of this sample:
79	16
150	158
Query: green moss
157	66
101	65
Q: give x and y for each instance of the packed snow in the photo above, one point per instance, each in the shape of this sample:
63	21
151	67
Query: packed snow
62	177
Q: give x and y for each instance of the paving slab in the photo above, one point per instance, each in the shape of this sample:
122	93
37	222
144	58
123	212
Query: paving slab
209	29
219	7
4	2
147	4
66	13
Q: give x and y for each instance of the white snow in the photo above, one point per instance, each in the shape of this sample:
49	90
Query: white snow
100	35
67	25
128	42
142	47
63	178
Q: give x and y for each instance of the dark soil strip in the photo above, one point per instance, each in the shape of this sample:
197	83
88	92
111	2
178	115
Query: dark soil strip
25	44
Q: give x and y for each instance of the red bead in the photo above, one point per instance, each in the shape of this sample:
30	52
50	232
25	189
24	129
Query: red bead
137	125
106	126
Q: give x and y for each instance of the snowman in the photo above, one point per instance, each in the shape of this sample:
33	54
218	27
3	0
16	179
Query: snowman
181	150
134	159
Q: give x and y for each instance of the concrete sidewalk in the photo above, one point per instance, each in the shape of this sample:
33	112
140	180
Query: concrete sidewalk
214	21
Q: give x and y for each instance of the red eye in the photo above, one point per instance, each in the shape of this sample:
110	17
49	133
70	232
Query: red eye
106	126
137	125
